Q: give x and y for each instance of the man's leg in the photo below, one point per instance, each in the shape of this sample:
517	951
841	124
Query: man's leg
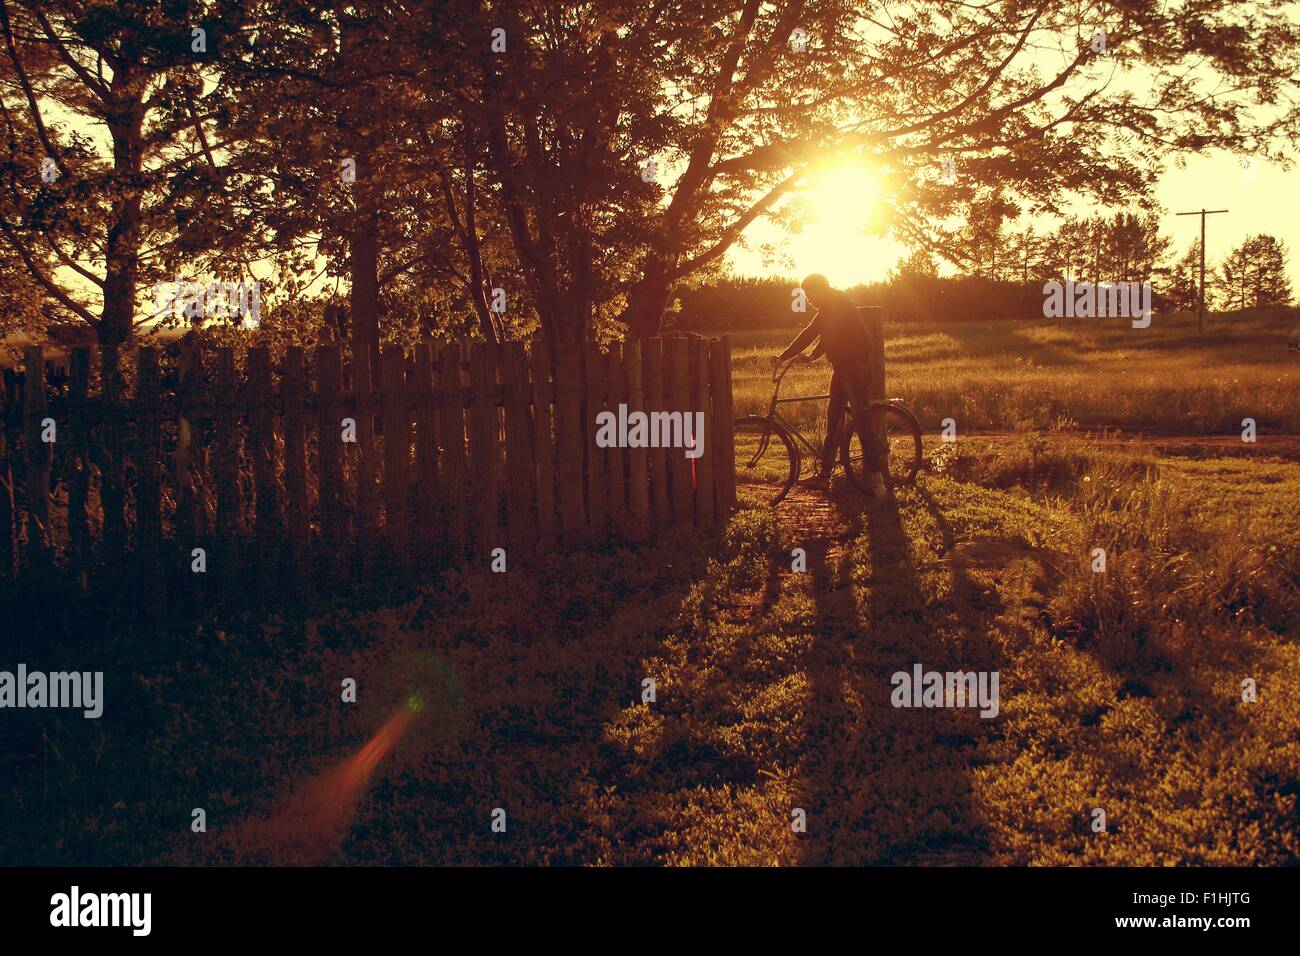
835	409
856	385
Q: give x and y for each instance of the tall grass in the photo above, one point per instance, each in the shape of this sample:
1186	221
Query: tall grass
1084	373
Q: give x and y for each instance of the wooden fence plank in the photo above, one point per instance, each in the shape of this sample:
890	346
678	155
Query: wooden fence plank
267	527
451	438
724	462
427	517
112	470
227	468
638	477
484	443
295	467
677	363
329	460
702	403
148	491
367	463
544	442
616	458
188	522
521	468
397	454
658	458
9	514
39	455
80	554
569	397
597	458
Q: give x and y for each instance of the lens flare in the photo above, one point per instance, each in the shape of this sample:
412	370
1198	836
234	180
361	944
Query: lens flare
313	820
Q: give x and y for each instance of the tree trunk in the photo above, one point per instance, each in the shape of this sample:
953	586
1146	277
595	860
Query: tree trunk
122	248
364	245
647	301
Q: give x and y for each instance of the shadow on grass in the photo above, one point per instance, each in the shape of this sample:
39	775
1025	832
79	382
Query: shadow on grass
891	785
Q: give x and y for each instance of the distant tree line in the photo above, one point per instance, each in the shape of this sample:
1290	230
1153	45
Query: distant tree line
1007	280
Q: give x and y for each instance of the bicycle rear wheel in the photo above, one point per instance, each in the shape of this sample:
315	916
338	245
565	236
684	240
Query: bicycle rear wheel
902	445
767	459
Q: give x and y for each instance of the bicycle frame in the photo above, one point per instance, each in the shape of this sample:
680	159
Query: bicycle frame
778	378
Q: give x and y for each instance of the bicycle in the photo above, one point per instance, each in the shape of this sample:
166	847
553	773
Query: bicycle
758	456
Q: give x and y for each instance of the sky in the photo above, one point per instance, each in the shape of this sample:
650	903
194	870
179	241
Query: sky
1267	201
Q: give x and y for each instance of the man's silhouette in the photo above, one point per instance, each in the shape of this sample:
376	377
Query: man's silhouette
842	337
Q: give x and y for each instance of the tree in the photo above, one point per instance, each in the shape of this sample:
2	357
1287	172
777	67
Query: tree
1254	274
1134	248
1183	290
130	77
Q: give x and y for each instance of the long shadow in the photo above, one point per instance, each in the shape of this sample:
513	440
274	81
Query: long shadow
976	341
1141	675
890	785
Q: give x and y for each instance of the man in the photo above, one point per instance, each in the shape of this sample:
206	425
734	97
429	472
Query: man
842	337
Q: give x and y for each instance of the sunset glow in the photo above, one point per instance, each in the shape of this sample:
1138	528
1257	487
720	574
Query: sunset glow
847	207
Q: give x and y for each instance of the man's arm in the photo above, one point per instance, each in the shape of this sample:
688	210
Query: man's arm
805	338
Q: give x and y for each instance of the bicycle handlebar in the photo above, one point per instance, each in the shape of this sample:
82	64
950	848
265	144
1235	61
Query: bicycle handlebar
779	370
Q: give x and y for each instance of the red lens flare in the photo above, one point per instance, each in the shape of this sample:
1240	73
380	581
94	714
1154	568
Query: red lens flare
312	822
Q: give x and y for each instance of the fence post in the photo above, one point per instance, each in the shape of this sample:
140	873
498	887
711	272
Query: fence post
329	459
363	376
597	458
80	555
261	440
8	510
543	443
873	317
112	474
397	454
569	391
295	465
484	437
191	526
723	424
520	466
638	477
426	447
654	393
677	360
148	469
706	438
39	455
451	431
226	397
616	457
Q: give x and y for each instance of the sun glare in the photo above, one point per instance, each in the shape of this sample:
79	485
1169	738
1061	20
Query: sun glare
843	236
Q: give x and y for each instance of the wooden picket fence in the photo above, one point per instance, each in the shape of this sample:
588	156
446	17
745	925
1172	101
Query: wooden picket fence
312	475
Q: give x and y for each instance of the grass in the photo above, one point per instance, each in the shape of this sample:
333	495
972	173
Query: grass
1099	373
1120	691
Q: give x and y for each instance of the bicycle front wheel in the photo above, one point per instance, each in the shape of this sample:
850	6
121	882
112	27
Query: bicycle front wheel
767	459
902	447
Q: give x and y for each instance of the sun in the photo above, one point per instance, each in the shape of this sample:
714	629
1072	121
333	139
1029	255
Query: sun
846	207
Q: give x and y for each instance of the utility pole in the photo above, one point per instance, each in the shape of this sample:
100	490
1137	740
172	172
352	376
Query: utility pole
1200	311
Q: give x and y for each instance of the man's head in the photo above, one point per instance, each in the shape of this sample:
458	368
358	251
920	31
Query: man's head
817	287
